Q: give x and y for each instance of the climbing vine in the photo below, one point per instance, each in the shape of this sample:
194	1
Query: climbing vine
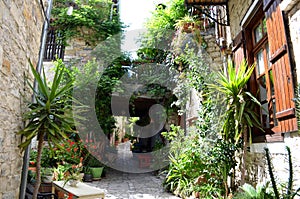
92	20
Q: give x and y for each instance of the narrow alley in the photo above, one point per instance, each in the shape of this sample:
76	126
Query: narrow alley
119	185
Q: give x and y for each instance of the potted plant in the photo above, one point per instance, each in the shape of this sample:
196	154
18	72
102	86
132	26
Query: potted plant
47	174
48	116
73	178
96	167
188	24
87	177
32	160
116	138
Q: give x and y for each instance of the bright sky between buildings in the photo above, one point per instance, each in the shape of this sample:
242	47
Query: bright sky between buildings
134	14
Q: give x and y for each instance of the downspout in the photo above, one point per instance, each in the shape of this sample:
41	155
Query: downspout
112	10
38	69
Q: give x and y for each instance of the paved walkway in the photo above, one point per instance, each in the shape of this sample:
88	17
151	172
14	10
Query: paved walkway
119	185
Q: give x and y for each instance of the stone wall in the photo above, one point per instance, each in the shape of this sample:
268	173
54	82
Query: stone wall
257	170
20	30
211	56
78	50
237	11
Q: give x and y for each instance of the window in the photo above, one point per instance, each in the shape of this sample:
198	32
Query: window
265	83
54	46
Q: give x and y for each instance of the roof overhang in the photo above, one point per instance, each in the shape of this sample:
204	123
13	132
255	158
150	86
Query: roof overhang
216	10
206	2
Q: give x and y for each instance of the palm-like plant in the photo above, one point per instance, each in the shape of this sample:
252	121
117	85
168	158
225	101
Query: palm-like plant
48	116
240	116
240	104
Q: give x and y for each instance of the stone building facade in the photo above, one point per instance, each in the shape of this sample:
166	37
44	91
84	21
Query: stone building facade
256	163
21	24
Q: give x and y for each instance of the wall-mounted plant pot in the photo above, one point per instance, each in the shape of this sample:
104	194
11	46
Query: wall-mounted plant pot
97	172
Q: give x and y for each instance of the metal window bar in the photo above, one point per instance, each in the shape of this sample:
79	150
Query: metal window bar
54	47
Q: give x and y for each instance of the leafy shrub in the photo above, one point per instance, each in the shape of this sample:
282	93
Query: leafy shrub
189	161
260	192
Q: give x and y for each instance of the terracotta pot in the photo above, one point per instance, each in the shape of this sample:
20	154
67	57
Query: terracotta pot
32	169
196	194
61	195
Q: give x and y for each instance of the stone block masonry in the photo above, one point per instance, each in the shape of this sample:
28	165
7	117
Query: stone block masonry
21	24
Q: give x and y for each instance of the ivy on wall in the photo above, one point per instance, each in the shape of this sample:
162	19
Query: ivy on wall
91	21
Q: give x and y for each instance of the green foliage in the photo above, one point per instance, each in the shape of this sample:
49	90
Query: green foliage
290	193
48	160
109	80
91	21
49	115
161	25
93	76
187	19
249	192
189	160
47	171
70	152
60	171
240	104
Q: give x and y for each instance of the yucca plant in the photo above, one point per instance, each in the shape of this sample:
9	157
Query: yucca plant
49	115
240	115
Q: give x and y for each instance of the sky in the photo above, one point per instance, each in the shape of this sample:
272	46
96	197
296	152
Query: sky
134	14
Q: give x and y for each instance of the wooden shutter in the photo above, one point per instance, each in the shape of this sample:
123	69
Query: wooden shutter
279	58
238	49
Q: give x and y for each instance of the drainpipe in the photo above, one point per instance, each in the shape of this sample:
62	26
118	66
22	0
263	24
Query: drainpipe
38	69
112	10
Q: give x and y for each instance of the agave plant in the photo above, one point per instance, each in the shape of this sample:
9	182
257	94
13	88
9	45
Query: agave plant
240	116
48	116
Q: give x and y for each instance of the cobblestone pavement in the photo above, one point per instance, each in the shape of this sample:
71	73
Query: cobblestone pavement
119	185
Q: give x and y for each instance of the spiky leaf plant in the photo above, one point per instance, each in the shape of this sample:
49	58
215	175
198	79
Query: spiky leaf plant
49	115
240	116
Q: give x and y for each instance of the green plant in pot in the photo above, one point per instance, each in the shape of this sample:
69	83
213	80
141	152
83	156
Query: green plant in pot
96	167
88	177
48	116
47	174
188	24
97	172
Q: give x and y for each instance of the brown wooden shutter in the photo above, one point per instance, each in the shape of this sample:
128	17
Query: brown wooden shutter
279	58
238	49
